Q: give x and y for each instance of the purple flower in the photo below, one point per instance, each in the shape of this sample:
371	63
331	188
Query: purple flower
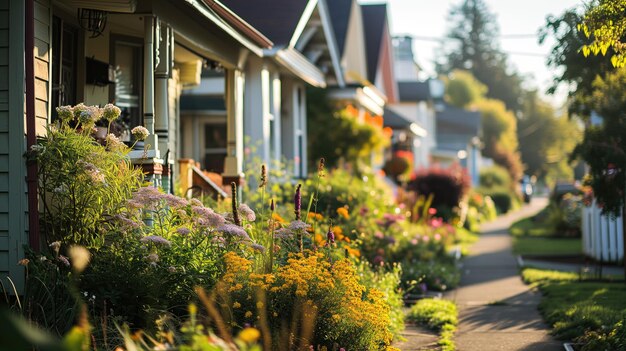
247	213
297	201
298	226
330	236
283	233
175	201
234	231
183	231
208	217
257	247
64	260
155	239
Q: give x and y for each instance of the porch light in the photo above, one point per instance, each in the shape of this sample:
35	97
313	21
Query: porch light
93	21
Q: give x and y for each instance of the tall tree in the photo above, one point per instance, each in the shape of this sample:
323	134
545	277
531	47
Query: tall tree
473	46
546	140
499	127
573	69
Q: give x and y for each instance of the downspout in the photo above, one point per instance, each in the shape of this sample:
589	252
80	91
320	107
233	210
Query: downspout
31	137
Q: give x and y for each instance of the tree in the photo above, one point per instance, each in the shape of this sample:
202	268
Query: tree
576	71
546	140
499	128
463	89
474	47
604	146
605	23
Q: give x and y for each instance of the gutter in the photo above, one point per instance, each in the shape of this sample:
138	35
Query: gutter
244	27
31	137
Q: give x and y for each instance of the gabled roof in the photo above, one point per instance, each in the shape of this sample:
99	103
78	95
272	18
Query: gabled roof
395	120
340	11
414	91
374	21
457	121
276	19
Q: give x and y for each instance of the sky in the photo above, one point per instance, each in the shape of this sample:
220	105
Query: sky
427	18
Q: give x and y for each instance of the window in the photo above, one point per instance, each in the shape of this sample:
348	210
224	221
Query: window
214	142
127	58
64	64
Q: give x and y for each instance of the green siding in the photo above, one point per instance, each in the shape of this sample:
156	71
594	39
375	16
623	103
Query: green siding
12	144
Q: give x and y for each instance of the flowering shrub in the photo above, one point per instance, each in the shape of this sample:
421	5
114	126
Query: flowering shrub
162	240
82	183
323	302
448	187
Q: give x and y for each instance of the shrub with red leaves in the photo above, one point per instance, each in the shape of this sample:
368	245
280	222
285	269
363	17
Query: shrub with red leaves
448	185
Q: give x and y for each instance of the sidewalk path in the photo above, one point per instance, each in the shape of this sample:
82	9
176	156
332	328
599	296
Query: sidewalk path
497	311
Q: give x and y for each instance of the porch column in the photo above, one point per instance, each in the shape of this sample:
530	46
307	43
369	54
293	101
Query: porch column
258	110
149	158
233	163
161	120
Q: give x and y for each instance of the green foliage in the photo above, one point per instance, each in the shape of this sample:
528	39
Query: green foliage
500	136
339	134
495	177
463	89
603	146
572	69
503	198
473	46
546	140
604	22
82	183
439	315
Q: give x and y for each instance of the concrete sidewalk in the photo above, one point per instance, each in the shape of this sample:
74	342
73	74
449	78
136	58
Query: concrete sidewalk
497	311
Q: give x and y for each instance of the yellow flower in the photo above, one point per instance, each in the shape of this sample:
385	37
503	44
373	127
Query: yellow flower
259	305
278	218
249	335
343	212
248	314
236	305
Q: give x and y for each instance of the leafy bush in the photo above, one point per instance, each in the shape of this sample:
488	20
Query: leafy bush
448	186
341	134
82	183
503	198
495	177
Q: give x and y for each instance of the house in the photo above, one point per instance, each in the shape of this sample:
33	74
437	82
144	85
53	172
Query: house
416	105
304	54
458	140
138	54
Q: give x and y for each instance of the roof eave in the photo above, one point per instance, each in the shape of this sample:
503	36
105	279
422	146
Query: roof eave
297	64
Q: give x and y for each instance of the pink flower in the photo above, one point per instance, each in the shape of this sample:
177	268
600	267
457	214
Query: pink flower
247	213
155	239
437	237
432	211
425	238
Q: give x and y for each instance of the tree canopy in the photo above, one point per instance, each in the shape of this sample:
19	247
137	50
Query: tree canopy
604	145
546	140
463	89
605	24
473	46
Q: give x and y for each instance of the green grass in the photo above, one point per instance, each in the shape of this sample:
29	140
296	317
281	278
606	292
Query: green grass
438	315
536	276
534	226
546	246
579	311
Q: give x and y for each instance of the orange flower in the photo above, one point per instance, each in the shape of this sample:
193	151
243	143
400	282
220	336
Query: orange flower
278	218
343	212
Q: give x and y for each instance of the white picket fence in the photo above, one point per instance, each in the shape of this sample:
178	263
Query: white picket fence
602	236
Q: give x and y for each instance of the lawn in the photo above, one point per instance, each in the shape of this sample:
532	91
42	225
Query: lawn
538	235
586	312
546	246
535	226
438	315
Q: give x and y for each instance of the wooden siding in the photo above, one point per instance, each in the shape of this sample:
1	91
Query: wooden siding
12	142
